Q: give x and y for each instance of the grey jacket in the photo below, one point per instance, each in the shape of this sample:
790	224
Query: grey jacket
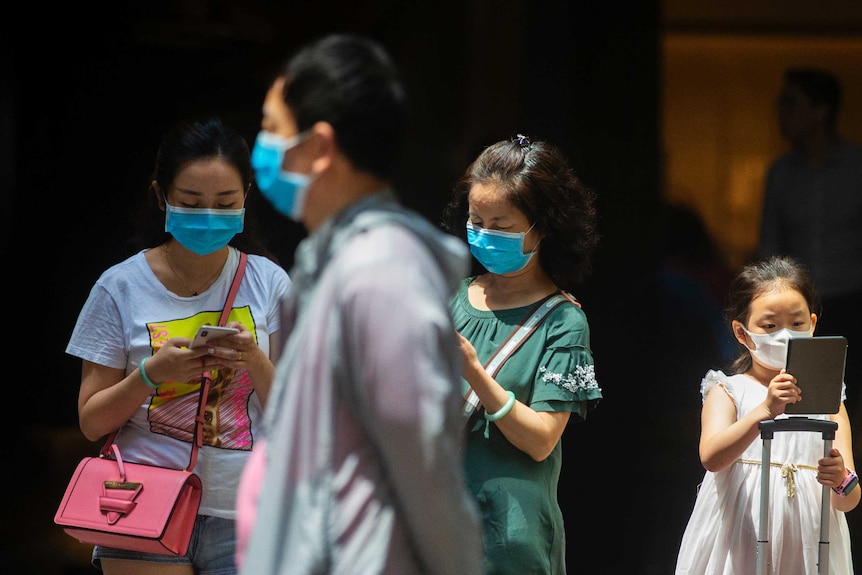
363	432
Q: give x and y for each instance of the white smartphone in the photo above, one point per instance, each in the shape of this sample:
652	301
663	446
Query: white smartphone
208	332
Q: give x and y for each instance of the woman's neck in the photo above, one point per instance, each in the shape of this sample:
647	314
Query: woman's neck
510	291
187	273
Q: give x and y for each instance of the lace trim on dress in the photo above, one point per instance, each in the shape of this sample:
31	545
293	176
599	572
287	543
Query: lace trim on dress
584	379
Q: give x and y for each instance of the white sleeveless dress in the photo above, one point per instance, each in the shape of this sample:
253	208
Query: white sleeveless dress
722	532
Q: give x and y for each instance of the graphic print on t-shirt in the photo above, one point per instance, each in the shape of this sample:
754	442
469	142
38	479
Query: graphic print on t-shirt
172	410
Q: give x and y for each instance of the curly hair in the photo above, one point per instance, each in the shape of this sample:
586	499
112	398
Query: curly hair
538	180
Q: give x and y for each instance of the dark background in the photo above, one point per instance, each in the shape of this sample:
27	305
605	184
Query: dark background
86	93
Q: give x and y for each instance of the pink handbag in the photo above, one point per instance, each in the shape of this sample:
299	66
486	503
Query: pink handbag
130	506
135	506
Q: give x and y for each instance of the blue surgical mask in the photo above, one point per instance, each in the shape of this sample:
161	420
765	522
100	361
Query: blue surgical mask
285	190
203	230
499	252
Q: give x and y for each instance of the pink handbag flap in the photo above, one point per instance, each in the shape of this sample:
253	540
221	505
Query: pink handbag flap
96	497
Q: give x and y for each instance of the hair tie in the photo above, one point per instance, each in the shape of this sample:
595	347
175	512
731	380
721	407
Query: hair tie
524	141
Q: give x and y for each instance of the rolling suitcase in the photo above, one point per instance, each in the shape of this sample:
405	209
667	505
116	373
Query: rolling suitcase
767	430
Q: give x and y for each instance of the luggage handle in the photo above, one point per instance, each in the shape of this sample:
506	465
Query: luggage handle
767	430
770	426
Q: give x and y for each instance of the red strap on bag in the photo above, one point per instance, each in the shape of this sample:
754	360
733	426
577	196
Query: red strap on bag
206	377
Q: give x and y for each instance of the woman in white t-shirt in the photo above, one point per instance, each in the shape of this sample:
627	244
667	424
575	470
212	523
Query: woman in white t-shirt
133	334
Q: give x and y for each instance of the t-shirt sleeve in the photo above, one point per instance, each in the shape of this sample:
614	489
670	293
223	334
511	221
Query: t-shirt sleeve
98	334
280	283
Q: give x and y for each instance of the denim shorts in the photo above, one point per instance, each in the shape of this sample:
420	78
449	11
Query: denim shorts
211	549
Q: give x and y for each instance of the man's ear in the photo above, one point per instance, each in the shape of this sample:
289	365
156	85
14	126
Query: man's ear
327	143
160	197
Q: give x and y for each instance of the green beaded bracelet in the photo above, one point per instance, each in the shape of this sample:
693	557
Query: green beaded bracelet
146	379
503	410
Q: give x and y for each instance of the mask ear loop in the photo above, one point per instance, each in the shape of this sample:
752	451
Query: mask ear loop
744	335
524	237
750	337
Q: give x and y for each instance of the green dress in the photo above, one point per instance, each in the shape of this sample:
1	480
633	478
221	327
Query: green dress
517	496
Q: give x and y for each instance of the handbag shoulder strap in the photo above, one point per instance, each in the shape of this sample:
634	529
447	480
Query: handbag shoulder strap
234	287
206	377
518	336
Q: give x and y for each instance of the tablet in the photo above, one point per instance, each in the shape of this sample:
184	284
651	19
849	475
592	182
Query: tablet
818	365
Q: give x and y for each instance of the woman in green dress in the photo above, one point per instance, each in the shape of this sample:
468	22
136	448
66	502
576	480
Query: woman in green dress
531	224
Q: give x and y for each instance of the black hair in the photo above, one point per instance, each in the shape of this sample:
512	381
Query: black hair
758	278
539	181
821	87
350	82
191	140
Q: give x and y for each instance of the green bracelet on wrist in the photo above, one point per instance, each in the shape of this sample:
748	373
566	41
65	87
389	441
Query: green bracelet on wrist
143	371
507	407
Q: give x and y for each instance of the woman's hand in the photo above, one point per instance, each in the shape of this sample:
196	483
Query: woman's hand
241	351
471	366
174	361
238	351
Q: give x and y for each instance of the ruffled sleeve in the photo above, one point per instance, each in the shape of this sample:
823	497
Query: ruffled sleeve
713	377
566	379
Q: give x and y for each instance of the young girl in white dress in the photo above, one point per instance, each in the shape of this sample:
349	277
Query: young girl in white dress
770	301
